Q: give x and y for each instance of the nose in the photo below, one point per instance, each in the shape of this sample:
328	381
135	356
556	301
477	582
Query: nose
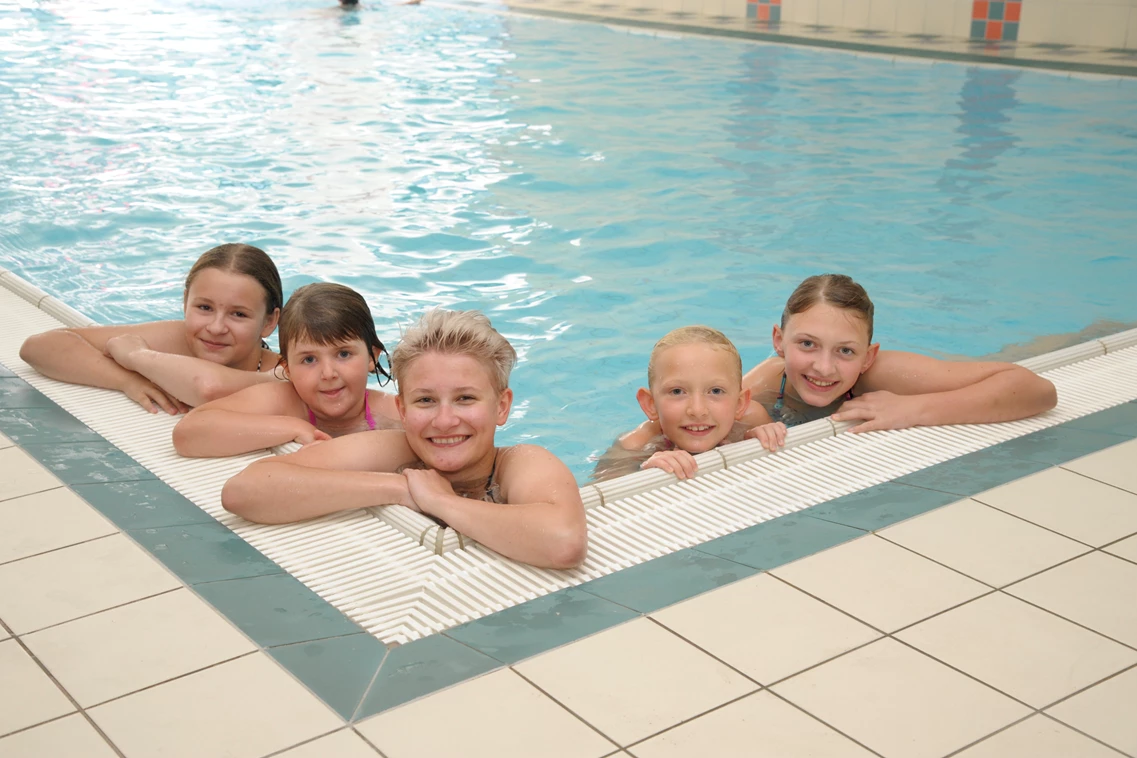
823	365
327	370
444	417
217	323
696	406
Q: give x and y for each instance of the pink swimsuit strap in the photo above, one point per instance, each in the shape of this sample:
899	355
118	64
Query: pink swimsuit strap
366	413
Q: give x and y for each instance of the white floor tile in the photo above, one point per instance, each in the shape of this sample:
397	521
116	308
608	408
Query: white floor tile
133	646
1018	649
879	583
342	744
899	702
758	726
495	716
983	543
1116	465
1038	737
1126	549
765	628
47	521
65	584
241	709
1096	590
69	737
1070	504
21	474
1105	711
27	696
634	680
5	442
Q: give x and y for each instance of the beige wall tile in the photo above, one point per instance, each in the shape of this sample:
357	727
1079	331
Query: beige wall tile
495	716
21	474
634	680
983	543
879	583
1073	505
800	11
65	584
765	628
1096	590
1105	711
46	521
830	12
1018	649
882	14
855	14
939	17
1131	33
1038	737
28	696
342	744
242	709
1036	24
961	18
757	726
133	646
69	737
899	702
1101	26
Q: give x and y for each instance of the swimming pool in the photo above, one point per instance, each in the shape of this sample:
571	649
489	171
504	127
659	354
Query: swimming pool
589	188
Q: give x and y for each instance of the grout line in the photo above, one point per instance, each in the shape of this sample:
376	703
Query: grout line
369	742
984	738
1092	479
689	719
972	677
1032	523
706	652
305	742
37	724
1064	698
68	695
370	685
935	561
101	610
1084	734
174	678
37	492
1070	620
823	721
583	720
62	547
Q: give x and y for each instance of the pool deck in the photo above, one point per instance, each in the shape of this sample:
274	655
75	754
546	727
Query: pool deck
1003	624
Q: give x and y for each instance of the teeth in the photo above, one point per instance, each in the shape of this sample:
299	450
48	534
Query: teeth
821	384
698	428
446	440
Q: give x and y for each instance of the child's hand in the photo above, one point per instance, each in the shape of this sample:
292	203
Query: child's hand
880	410
772	436
678	462
121	348
310	436
151	397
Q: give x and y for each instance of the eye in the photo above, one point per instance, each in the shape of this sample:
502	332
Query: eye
806	343
423	400
718	391
240	314
467	399
204	307
848	351
308	359
676	391
345	353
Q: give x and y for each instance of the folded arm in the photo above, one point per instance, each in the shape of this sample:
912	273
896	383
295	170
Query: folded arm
254	418
337	475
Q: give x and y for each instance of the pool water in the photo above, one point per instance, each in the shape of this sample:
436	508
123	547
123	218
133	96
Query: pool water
589	188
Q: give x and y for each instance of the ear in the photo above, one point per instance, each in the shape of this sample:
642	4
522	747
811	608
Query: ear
647	403
401	409
777	338
284	367
743	405
873	351
504	405
270	322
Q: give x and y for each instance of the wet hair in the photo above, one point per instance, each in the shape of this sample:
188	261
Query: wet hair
693	335
242	259
837	290
455	333
326	314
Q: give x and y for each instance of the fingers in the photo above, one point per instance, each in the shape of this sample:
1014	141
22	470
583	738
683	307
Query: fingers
166	404
681	464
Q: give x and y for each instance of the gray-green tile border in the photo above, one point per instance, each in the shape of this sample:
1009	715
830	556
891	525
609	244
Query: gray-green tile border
358	676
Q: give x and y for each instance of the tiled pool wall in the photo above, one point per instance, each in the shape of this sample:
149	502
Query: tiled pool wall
1095	23
358	676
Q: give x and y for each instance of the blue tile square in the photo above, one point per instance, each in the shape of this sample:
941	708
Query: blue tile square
419	668
338	670
995	10
752	10
1011	31
978	29
143	504
781	540
1121	419
16	393
667	580
276	609
5	372
541	624
880	506
88	462
32	426
974	472
1059	444
775	14
199	553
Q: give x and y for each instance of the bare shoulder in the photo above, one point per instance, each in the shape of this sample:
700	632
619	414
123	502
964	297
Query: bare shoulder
530	472
638	438
765	375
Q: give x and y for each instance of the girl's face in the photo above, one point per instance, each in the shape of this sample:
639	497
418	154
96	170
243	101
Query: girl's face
826	350
450	411
330	379
225	318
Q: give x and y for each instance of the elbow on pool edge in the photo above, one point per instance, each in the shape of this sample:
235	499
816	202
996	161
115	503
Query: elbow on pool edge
569	551
236	497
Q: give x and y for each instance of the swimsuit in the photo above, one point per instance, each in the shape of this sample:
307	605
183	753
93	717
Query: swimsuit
790	416
366	414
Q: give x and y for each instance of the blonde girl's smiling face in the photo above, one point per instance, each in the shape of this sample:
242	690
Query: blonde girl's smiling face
225	318
826	350
331	379
697	395
450	410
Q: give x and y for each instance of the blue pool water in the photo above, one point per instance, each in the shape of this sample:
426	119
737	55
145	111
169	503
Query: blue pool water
587	187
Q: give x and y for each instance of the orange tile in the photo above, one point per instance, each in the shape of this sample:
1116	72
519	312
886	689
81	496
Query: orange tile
1012	11
763	12
979	10
775	2
994	30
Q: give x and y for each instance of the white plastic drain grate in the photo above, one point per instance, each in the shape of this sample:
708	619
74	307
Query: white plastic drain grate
371	566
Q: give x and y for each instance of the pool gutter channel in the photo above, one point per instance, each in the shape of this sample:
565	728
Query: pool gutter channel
388	572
